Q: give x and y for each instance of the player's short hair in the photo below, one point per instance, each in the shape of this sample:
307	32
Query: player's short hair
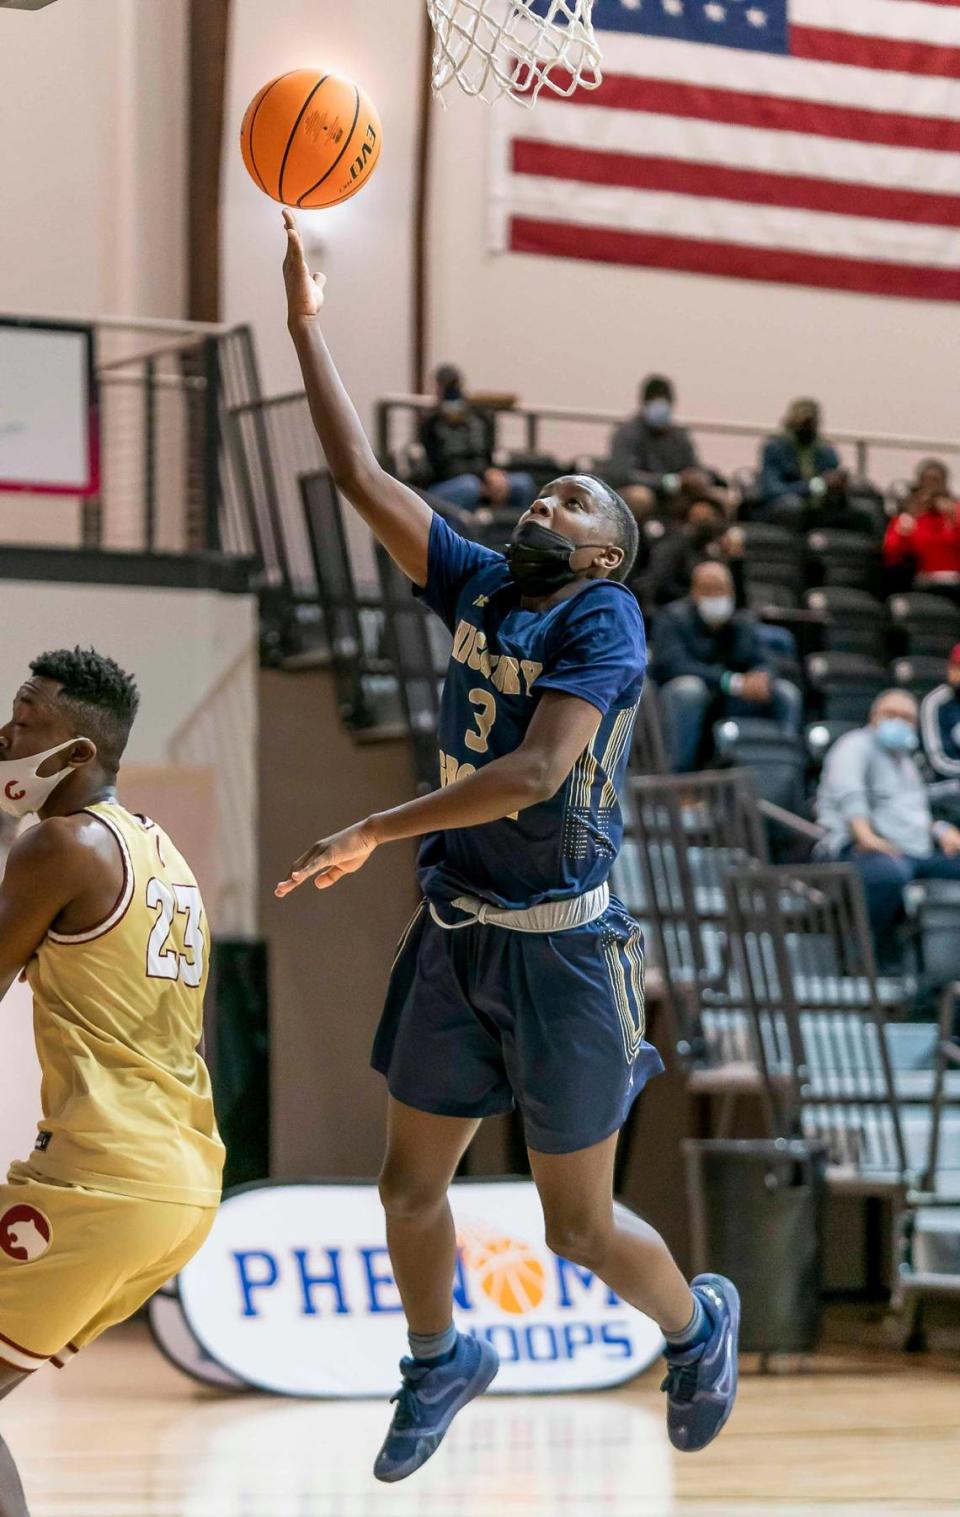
101	698
615	510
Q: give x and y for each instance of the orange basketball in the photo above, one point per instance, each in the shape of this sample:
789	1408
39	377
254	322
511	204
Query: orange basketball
310	139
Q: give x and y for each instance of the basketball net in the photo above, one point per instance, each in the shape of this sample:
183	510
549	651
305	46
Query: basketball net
514	47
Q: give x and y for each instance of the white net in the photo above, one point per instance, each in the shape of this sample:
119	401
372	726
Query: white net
514	47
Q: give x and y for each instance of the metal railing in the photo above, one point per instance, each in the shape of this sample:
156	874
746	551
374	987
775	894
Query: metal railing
573	432
169	482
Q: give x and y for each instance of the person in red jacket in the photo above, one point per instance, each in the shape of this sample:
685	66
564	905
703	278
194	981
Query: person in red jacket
925	538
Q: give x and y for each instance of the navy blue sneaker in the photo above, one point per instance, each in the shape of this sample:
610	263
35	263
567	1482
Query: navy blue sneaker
427	1403
701	1382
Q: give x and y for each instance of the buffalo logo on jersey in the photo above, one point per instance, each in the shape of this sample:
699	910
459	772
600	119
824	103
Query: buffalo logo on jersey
25	1234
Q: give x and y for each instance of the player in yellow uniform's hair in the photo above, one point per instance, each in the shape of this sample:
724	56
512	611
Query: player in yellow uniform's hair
104	918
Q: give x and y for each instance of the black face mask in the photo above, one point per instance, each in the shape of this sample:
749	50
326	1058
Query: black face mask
539	559
806	433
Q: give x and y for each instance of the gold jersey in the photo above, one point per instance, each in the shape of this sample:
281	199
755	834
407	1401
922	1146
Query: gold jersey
118	1018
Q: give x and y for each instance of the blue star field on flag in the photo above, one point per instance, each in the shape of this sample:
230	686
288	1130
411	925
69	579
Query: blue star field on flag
762	26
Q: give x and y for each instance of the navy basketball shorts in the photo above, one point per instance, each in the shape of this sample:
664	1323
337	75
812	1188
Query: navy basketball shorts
483	1018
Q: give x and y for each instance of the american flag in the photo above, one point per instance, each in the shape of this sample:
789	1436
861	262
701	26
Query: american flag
805	142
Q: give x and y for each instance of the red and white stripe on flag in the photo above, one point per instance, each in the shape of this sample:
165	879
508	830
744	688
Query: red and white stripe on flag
835	163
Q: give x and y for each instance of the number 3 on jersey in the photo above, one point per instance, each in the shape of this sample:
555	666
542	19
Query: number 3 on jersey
164	962
484	716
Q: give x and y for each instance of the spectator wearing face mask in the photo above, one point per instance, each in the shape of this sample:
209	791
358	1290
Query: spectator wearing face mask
458	440
704	535
653	461
924	538
873	802
802	483
710	662
940	723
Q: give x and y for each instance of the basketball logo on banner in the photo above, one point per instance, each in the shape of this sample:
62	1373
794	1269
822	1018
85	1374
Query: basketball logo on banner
507	1269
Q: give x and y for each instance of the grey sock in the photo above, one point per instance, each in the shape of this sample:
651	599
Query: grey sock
429	1346
697	1330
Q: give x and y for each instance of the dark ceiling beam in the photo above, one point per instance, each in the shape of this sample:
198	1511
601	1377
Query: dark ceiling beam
421	215
209	34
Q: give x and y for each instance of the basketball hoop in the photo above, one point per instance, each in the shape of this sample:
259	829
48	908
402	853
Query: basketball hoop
514	47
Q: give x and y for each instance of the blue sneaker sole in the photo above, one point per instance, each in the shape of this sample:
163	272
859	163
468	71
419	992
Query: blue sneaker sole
729	1291
486	1373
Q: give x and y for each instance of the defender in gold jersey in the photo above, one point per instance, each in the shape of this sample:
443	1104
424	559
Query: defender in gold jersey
103	917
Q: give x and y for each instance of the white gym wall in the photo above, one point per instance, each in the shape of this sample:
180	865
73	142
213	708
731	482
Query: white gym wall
106	235
366	251
93	125
551	331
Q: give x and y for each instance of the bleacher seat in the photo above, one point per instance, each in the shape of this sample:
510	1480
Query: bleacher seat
924	624
845	685
821	736
776	759
919	675
418	645
849	559
367	691
934	908
648	754
492	531
854	622
762	594
771	556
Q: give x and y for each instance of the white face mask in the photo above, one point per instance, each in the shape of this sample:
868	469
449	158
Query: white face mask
716	609
22	789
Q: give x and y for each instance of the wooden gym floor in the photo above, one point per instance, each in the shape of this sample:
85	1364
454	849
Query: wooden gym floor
121	1434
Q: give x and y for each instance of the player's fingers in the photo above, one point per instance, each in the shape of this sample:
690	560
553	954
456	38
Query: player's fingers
294	240
329	877
309	862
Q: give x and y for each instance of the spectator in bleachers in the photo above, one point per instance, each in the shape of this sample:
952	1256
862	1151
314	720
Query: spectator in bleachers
873	802
940	723
802	483
931	478
653	461
458	440
925	537
704	535
711	662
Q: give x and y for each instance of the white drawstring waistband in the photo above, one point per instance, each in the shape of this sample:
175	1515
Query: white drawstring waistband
551	916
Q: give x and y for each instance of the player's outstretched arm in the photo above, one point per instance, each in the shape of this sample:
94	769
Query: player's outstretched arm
562	727
396	515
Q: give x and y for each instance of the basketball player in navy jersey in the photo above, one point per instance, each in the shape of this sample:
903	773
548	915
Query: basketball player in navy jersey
520	979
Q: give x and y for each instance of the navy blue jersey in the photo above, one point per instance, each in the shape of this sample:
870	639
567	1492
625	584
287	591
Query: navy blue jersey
590	645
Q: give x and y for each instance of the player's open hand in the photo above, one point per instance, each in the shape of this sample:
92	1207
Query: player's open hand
304	290
330	859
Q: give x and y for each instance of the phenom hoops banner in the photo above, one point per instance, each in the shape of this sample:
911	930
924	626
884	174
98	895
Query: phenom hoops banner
806	142
293	1293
